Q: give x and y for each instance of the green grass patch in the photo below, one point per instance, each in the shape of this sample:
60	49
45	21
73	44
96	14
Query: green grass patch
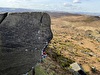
40	71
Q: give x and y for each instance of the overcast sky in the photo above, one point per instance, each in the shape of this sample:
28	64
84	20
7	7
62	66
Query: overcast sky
55	5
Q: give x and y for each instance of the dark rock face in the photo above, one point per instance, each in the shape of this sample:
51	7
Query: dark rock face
22	38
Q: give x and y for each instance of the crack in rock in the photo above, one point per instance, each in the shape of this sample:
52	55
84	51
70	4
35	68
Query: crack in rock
2	17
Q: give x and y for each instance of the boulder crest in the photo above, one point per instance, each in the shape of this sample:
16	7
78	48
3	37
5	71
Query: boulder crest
22	38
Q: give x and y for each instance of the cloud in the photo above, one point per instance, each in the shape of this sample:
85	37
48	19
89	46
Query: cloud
13	1
76	1
71	6
67	5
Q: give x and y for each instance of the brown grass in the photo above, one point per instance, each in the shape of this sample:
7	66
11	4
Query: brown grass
71	40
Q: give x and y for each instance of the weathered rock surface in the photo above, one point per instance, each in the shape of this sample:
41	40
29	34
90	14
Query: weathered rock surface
22	38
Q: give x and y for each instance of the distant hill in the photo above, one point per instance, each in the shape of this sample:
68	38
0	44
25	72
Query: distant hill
53	14
88	13
60	14
14	10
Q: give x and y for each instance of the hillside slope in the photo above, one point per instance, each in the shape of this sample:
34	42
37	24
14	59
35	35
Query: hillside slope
77	37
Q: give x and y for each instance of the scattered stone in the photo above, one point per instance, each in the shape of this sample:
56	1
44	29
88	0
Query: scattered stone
93	69
77	69
91	54
98	39
89	34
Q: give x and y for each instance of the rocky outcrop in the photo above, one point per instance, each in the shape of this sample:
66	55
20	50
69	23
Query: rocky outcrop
22	38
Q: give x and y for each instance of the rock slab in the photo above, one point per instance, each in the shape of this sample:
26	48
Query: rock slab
22	38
